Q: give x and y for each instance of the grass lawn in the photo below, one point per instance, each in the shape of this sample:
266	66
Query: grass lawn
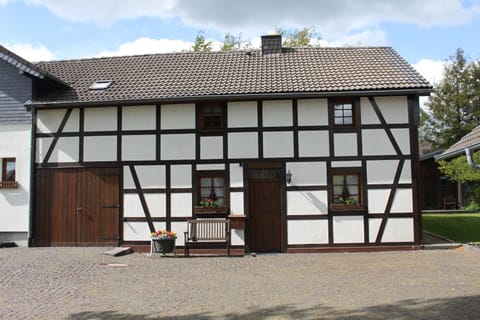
457	227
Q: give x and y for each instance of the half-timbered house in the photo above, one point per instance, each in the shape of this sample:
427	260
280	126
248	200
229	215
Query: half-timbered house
317	147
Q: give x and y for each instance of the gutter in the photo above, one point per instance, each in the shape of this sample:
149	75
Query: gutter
231	97
457	153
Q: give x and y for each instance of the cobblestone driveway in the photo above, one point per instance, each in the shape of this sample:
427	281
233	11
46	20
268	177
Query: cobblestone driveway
79	283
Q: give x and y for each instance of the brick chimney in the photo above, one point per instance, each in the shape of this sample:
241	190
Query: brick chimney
272	44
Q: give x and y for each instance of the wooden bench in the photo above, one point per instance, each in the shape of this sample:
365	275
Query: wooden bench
207	232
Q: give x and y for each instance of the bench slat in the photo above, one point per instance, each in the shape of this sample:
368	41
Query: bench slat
205	230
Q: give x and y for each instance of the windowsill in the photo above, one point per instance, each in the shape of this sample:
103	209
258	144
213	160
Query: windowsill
8	185
347	207
210	210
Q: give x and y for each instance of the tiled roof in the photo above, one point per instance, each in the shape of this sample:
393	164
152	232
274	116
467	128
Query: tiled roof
470	140
196	75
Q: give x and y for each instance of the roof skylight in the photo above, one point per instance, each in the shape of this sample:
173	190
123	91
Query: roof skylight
100	85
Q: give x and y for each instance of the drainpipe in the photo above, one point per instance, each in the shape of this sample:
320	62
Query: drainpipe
470	160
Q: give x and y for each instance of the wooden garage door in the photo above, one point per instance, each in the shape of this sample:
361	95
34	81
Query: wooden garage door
77	206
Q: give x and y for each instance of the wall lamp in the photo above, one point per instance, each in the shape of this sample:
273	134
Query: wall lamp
289	176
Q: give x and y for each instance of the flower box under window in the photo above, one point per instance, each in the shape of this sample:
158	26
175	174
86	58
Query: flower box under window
8	185
210	210
347	207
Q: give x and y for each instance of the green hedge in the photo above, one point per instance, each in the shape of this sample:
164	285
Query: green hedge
462	228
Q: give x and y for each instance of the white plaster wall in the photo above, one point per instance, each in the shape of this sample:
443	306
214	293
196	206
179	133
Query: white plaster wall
138	147
139	118
243	145
236	203
41	148
49	121
237	237
277	113
343	164
398	230
236	175
375	142
373	228
181	176
307	231
313	144
66	150
133	207
100	148
100	119
377	200
148	176
308	173
14	203
139	231
242	114
393	109
181	204
210	166
277	144
406	175
368	115
402	137
177	116
312	112
211	147
179	228
381	171
307	202
402	201
178	147
345	144
348	229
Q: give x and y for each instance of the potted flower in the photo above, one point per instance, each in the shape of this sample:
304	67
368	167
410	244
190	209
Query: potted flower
209	205
164	241
341	202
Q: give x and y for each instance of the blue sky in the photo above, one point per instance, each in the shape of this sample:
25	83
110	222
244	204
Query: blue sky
424	32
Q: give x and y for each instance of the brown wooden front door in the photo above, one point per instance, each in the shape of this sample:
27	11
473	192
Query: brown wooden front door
77	206
265	227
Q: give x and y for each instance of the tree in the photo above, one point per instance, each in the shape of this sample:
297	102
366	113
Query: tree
458	169
201	45
231	42
298	38
453	109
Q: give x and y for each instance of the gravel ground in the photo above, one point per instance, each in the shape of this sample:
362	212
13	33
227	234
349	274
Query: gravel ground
82	283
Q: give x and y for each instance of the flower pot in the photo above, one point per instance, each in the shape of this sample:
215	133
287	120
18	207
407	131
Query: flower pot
164	245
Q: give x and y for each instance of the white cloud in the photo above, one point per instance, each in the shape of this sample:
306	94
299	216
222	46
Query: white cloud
30	52
364	38
432	70
149	46
331	18
106	12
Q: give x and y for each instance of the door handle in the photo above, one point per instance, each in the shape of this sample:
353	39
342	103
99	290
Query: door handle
79	210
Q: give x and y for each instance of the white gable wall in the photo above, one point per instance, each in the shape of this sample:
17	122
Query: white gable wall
14	203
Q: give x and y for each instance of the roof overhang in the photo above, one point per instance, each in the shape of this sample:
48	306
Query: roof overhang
457	153
26	67
233	97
